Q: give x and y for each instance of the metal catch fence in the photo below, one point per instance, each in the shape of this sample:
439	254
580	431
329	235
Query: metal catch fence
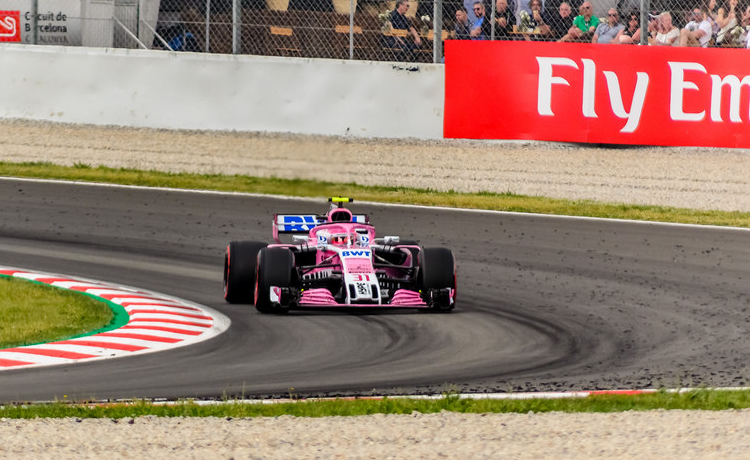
402	31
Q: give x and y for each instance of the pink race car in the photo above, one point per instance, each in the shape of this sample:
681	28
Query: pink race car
335	260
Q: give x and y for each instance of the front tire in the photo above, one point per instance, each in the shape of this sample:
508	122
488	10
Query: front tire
437	272
240	262
275	266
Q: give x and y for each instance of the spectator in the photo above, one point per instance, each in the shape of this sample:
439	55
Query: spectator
482	28
183	40
524	5
399	21
737	37
463	26
584	25
667	34
607	32
504	19
540	20
697	32
712	14
631	33
726	20
469	5
561	20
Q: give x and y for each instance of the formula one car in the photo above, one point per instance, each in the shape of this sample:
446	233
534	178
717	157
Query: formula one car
335	260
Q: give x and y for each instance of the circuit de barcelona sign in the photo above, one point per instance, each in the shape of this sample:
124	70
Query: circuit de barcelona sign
42	22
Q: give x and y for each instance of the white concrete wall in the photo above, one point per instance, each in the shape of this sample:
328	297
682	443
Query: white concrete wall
159	89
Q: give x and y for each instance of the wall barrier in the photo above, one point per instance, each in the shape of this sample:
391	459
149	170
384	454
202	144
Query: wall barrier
160	89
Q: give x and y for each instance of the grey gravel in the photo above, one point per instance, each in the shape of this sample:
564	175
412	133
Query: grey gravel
682	177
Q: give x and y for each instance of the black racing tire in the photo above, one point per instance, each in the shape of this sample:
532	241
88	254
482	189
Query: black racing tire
240	262
437	270
275	267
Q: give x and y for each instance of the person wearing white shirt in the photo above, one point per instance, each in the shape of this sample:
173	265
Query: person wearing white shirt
667	33
697	32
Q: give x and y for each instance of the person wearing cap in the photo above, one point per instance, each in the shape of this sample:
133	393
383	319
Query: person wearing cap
697	32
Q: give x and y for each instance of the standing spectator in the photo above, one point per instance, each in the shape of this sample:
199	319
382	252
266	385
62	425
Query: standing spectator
606	33
584	25
667	34
697	32
561	20
631	33
463	26
399	21
482	28
504	19
726	20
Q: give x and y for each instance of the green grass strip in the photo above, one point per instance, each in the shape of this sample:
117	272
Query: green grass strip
404	195
699	399
32	312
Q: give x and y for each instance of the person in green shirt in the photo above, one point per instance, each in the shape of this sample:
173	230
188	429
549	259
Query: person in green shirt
584	25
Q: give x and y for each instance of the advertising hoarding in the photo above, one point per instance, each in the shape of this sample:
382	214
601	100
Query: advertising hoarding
616	94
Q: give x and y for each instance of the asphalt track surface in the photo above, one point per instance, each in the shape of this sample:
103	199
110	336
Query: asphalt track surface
544	303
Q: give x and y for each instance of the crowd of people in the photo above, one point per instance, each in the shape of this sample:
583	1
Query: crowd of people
711	24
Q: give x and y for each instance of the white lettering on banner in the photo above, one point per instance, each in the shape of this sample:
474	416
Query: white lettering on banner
589	88
636	107
546	80
677	87
735	86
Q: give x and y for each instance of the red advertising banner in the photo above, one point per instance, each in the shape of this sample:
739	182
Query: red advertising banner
615	94
10	26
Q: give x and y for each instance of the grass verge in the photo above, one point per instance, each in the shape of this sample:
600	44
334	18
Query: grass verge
33	313
699	399
308	188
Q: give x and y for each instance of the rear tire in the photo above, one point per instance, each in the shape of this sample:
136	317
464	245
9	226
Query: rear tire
240	262
437	270
275	266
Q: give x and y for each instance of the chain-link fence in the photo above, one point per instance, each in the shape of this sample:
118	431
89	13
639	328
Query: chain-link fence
402	30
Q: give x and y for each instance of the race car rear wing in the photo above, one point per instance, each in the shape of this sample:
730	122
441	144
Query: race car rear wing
303	223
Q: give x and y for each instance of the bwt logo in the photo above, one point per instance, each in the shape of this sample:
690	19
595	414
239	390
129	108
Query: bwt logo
355	253
10	26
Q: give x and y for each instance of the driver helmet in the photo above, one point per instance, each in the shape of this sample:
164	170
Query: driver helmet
340	239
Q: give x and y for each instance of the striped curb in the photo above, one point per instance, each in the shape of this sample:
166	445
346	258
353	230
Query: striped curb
145	322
